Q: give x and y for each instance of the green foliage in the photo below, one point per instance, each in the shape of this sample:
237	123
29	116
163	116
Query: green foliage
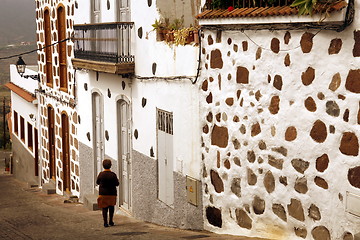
305	6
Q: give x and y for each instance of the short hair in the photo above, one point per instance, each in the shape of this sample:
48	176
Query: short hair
107	163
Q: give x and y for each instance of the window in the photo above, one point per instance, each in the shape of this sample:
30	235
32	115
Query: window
16	123
61	27
48	50
22	129
30	136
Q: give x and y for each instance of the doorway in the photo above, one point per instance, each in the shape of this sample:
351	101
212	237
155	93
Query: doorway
124	153
51	132
98	142
65	152
165	157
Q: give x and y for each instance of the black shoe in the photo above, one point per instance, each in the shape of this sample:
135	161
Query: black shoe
106	225
111	223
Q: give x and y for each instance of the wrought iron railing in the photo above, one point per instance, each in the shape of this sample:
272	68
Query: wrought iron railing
105	42
222	4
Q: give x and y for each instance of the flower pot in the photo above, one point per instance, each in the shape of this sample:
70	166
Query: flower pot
190	37
196	36
169	36
160	36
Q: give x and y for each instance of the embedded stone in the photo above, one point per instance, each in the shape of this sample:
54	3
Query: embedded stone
269	182
348	236
321	233
218	117
251	156
237	161
243	129
236	48
236	119
258	95
218	159
210	40
306	42
206	129
353	81
275	45
318	132
300	232
251	177
332	108
310	104
213	216
290	134
358	116
274	105
301	185
219	136
245	45
275	162
229	101
335	46
314	212
204	86
322	163
243	219
296	210
255	129
262	145
260	160
278	82
349	144
308	76
209	98
227	164
321	96
354	176
281	150
283	180
356	49
242	75
346	115
335	82
287	61
321	182
332	129
236	144
287	37
216	59
279	211
258	205
236	186
258	53
209	117
216	181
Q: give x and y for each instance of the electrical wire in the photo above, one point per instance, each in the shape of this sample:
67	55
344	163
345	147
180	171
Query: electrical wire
31	51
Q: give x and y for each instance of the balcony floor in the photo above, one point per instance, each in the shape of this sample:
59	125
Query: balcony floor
106	67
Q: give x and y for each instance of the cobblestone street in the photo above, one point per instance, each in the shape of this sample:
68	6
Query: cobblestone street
28	213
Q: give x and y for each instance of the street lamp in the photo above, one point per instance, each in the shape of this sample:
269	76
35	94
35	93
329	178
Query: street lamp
21	66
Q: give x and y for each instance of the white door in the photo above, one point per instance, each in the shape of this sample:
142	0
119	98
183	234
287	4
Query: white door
124	143
165	157
97	134
123	10
95	8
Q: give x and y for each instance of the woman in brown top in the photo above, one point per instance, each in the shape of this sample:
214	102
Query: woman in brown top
107	181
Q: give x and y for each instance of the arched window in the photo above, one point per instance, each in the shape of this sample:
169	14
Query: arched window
61	27
48	52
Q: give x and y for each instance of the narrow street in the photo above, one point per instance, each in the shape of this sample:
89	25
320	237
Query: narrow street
28	213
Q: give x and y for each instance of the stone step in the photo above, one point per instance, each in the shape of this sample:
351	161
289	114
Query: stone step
49	188
90	202
357	236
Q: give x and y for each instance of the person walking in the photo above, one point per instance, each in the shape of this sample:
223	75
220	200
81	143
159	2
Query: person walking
107	181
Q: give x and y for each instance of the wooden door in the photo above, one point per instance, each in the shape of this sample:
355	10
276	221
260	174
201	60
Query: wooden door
124	147
51	132
48	50
65	152
61	24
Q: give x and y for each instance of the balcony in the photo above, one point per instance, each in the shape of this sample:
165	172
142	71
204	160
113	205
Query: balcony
104	47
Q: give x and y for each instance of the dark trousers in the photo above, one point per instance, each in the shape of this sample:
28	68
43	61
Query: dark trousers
105	213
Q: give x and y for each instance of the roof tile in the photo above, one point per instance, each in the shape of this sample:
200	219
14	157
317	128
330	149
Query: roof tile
20	91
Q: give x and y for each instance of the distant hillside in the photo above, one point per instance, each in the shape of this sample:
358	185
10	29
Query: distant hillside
17	21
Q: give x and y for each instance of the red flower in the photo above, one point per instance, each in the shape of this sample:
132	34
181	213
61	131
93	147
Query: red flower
230	8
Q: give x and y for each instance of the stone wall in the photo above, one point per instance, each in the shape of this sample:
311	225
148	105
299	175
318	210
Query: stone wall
62	101
280	120
147	206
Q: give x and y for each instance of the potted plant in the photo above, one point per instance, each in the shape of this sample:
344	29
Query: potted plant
159	27
307	7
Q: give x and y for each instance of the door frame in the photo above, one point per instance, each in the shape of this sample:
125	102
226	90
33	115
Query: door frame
118	101
117	11
94	135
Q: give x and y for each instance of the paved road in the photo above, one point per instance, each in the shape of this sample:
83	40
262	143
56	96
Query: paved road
28	213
